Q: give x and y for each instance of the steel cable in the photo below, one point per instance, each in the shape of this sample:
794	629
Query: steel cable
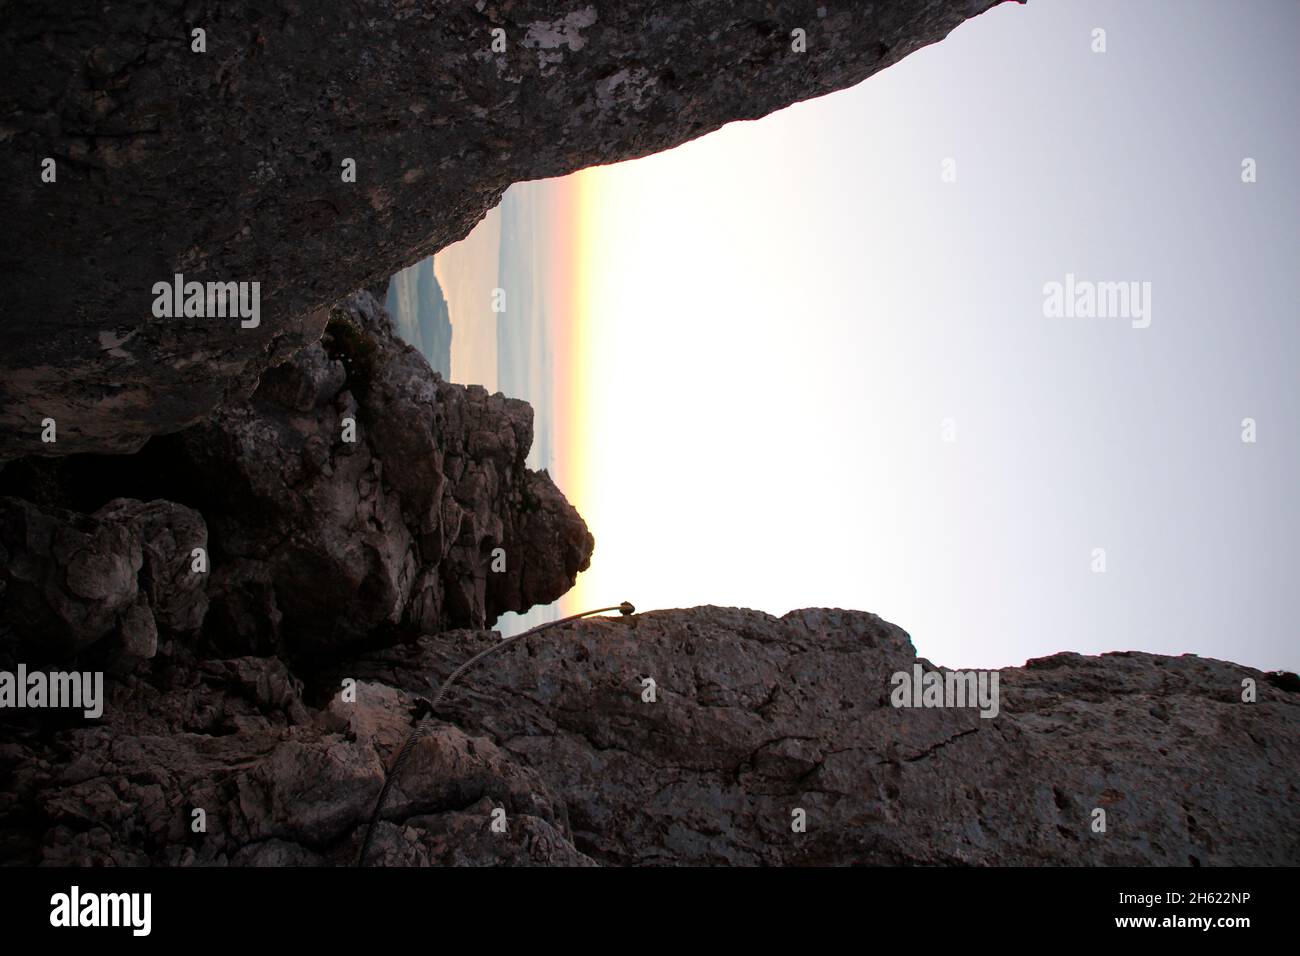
423	726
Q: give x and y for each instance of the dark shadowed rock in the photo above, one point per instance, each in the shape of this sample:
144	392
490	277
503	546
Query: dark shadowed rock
71	579
757	716
355	497
754	717
349	501
226	165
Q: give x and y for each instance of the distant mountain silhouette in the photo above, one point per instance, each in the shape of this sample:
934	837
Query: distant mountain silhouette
419	310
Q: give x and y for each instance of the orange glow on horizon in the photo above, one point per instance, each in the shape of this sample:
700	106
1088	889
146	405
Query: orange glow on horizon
574	244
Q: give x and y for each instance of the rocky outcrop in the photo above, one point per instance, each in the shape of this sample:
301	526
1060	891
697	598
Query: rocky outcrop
754	717
312	529
226	164
354	498
371	494
70	579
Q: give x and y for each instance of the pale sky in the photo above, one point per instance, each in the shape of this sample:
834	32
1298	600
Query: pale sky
770	327
464	270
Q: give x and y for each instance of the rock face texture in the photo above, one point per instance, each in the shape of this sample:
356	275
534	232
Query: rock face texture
302	529
226	164
354	498
754	717
71	579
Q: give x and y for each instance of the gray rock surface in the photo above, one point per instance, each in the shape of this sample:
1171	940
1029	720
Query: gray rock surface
318	542
266	695
396	529
226	165
755	716
316	546
71	579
